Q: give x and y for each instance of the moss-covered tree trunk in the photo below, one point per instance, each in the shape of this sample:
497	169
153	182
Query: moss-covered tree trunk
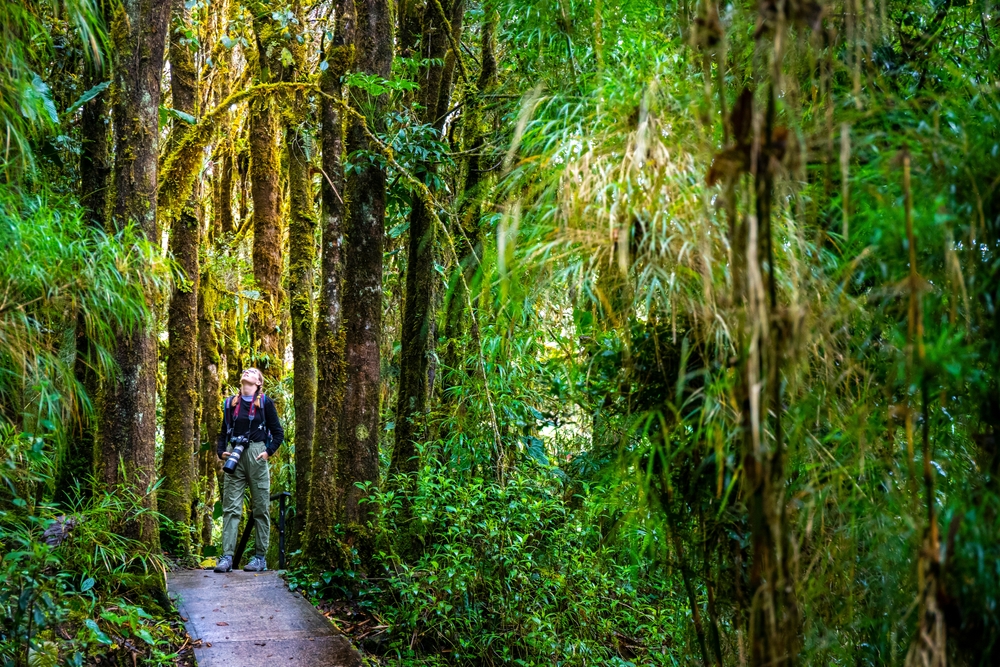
266	193
357	449
456	16
128	411
320	540
301	281
211	397
224	212
180	426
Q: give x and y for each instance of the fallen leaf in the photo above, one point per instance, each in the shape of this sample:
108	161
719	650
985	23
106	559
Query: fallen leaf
222	623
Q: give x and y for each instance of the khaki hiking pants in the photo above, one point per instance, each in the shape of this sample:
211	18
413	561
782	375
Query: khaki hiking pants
254	474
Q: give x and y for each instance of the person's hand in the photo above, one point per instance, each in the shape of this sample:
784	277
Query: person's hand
225	455
262	455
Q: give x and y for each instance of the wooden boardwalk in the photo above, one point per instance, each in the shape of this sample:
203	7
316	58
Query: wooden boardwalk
252	619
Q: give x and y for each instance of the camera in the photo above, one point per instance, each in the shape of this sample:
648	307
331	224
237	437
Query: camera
238	442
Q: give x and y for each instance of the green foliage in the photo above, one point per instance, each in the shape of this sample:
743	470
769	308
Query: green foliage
27	109
56	270
71	588
523	573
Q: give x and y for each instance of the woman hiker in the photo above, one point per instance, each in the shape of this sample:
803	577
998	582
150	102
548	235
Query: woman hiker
250	421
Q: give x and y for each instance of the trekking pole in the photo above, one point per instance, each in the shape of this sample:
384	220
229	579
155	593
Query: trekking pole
244	539
280	497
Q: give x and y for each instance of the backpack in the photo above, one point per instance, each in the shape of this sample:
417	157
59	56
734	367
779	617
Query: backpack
229	418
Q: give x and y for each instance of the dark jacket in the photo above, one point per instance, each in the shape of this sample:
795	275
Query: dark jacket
265	422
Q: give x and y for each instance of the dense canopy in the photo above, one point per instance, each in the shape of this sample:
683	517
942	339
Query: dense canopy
603	333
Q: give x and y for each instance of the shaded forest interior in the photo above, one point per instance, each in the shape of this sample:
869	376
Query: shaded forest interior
622	333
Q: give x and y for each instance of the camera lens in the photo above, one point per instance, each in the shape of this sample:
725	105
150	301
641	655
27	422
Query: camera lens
234	458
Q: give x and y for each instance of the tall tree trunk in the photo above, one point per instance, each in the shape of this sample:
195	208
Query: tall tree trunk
128	419
357	460
266	194
414	332
95	170
225	207
456	18
319	538
180	427
266	234
211	397
301	280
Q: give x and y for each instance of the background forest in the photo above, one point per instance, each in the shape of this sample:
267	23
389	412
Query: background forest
603	333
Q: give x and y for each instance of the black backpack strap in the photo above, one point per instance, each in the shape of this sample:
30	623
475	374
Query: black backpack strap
227	421
263	416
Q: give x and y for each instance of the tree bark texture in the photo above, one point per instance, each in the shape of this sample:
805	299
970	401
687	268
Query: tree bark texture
455	10
265	191
211	398
128	419
302	255
225	207
180	426
320	539
265	128
357	460
409	14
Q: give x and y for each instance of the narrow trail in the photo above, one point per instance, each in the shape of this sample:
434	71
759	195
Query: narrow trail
252	619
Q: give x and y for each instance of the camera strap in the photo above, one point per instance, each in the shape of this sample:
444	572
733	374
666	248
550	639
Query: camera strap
236	401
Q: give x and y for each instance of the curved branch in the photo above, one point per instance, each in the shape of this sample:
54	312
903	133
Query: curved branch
181	165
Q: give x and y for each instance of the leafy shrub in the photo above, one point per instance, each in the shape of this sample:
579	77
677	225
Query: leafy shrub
520	573
71	588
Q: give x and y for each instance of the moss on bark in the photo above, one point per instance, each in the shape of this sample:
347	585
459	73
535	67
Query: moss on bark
211	398
180	428
128	424
302	307
320	536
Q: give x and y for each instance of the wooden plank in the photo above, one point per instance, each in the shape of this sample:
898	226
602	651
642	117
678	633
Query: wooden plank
251	619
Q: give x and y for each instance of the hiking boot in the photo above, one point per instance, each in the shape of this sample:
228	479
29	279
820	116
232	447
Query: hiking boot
224	564
257	564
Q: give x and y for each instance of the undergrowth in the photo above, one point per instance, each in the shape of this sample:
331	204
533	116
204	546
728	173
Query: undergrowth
73	591
524	573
